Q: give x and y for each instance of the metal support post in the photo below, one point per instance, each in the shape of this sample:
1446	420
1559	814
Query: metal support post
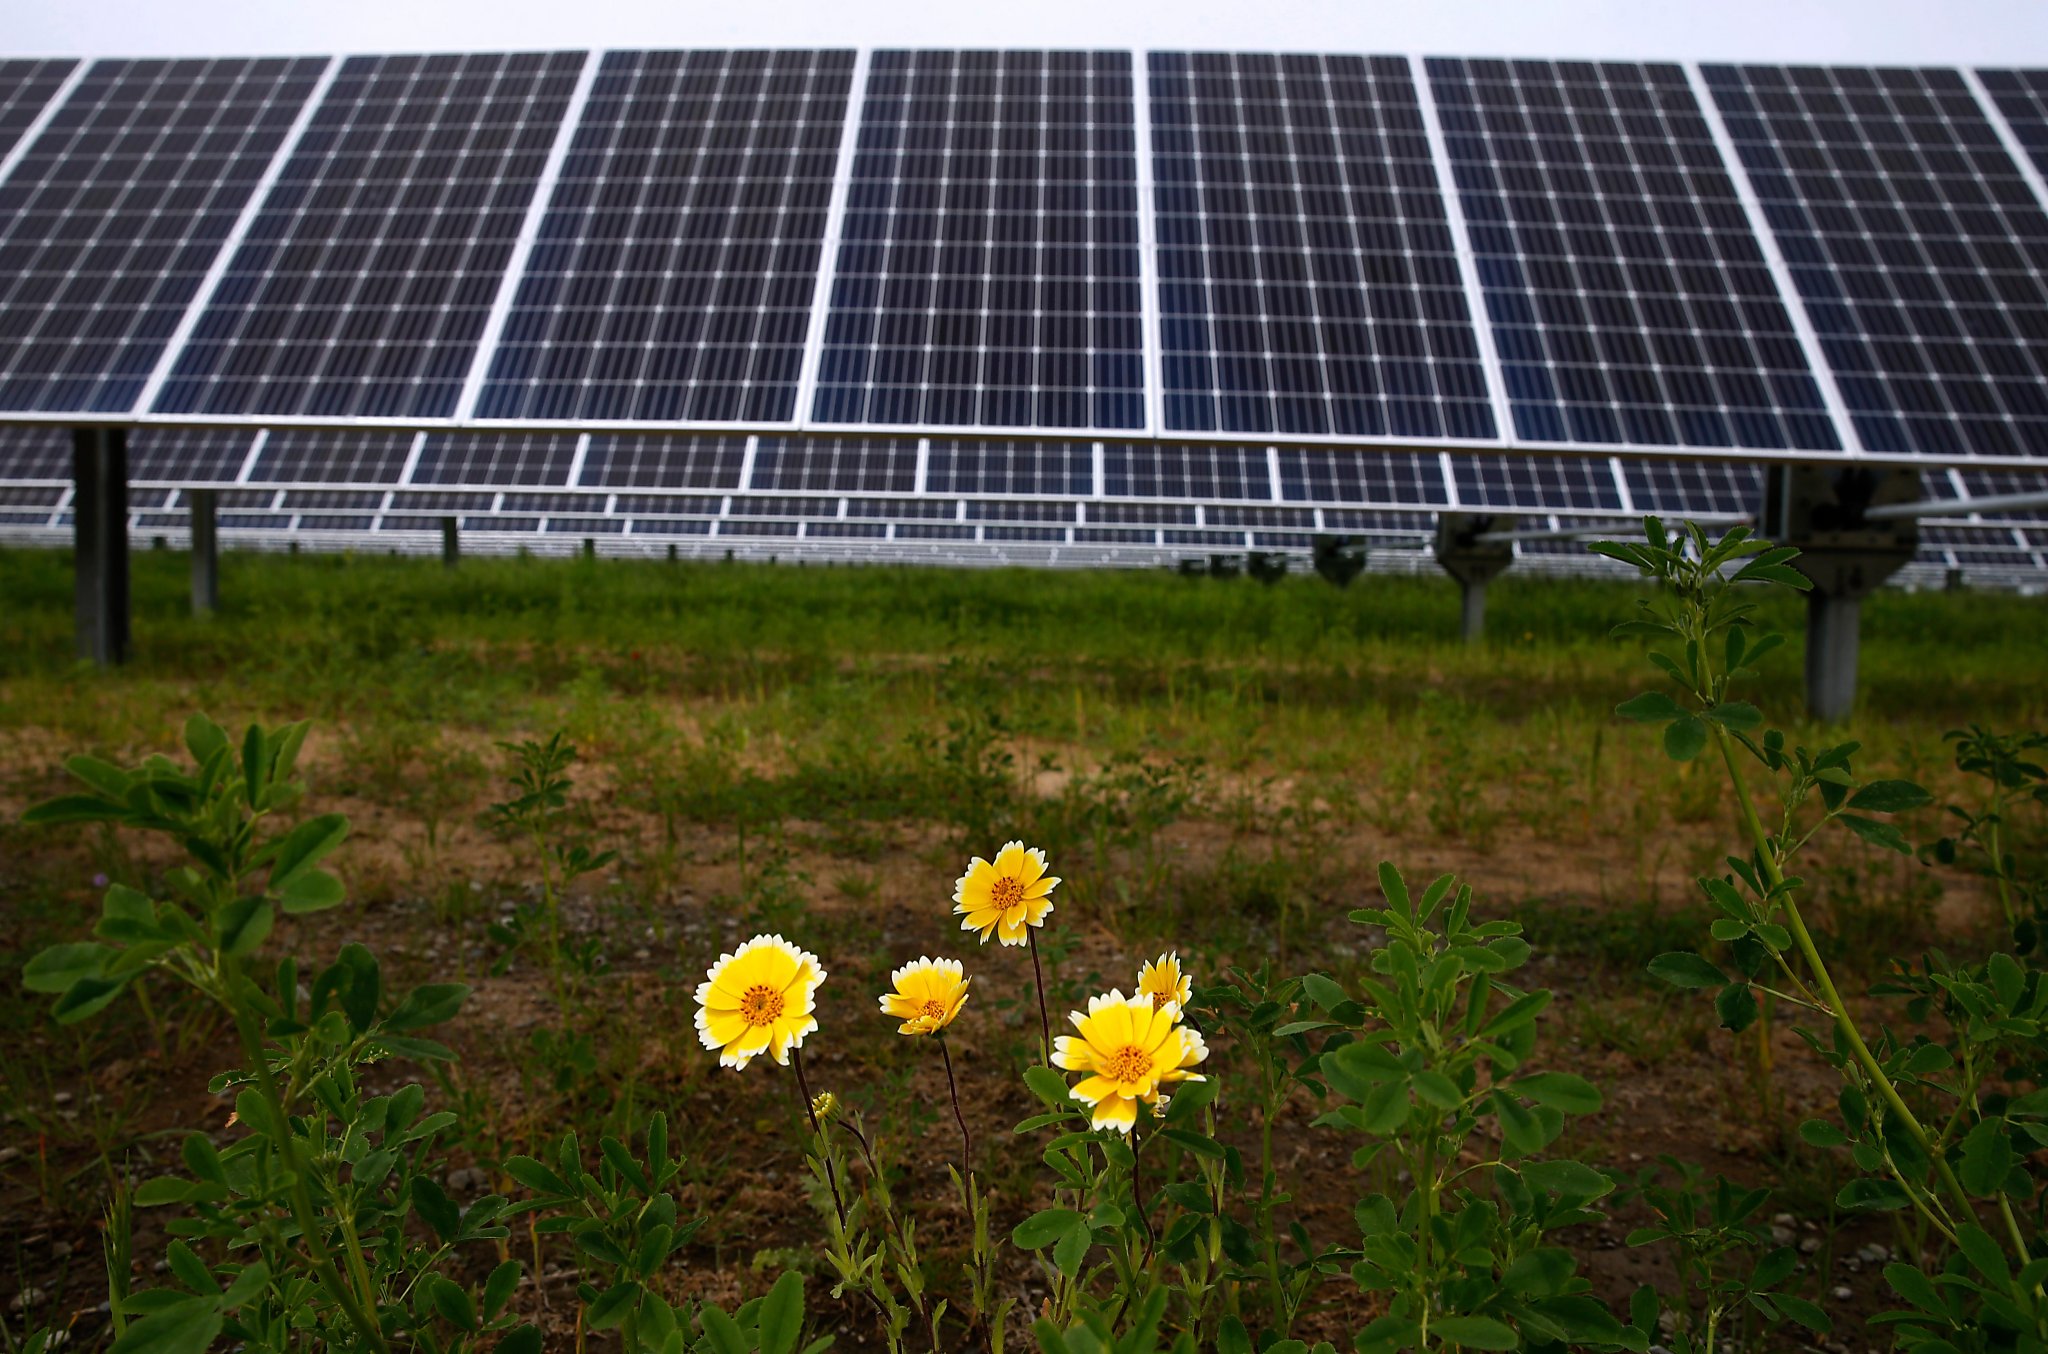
451	542
99	461
1474	549
1831	644
204	505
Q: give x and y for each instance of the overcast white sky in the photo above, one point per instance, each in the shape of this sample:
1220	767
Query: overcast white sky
1934	32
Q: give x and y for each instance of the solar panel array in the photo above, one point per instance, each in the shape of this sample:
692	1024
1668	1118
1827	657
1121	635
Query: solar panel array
946	301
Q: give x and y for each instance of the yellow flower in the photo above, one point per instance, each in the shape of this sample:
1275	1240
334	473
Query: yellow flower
1130	1049
1163	981
1005	895
757	999
929	993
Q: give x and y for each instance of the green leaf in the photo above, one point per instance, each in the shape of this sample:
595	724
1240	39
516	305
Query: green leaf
1736	1005
108	779
1877	834
1438	1090
204	739
435	1208
1871	1195
58	967
245	924
524	1340
725	1336
1354	1069
1987	1158
452	1302
1474	1332
86	997
1049	1086
613	1306
1821	1133
1684	738
72	809
1043	1228
187	1326
427	1005
1071	1249
1561	1091
782	1315
1652	707
311	891
498	1289
1683	968
303	846
1890	796
1737	716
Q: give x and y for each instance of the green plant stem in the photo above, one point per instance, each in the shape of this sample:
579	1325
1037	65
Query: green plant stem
1038	978
301	1196
796	1060
1865	1059
953	1089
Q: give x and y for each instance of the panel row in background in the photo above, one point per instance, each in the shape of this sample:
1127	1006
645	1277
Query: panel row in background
1576	254
2002	548
586	464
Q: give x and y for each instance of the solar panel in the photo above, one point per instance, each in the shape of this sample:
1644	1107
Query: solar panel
26	88
840	465
1919	247
1394	477
1675	488
1185	472
1534	482
1308	281
1629	299
513	458
2022	99
673	274
111	217
624	462
188	455
988	270
35	454
366	280
319	455
1010	468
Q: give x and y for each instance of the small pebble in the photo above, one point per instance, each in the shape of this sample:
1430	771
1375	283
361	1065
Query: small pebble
1809	1245
27	1298
1842	1292
1782	1235
1873	1254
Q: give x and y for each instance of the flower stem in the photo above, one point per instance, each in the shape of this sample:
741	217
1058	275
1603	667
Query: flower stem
1859	1050
803	1088
953	1089
1044	1020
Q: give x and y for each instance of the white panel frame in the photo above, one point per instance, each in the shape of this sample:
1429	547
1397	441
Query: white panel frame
259	198
1148	243
1468	259
41	122
828	244
2006	137
529	234
1774	260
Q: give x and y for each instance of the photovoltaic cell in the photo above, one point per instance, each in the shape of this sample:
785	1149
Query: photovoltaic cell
514	458
188	455
675	266
26	88
316	455
1185	472
2022	98
366	279
627	462
35	454
1394	477
1307	278
1010	468
836	465
1920	250
113	215
988	272
1629	298
1537	483
1679	487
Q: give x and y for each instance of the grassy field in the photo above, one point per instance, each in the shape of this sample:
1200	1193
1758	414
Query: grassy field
1212	766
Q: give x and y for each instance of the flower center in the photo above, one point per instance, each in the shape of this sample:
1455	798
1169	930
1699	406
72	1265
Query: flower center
1158	1000
762	1005
1006	893
933	1010
1128	1065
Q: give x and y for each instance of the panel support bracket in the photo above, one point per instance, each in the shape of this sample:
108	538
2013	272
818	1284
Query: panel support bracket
204	506
99	519
1474	548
